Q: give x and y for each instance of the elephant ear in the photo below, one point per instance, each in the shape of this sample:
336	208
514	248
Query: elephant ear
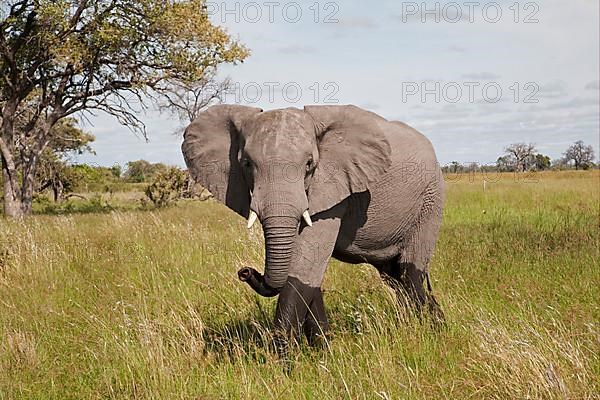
353	153
211	147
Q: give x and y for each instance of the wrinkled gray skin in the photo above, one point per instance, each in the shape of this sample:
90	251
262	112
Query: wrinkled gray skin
373	189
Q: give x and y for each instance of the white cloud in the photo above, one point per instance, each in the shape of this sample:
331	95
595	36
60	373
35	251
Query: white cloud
574	103
593	85
457	49
297	49
355	23
555	88
488	76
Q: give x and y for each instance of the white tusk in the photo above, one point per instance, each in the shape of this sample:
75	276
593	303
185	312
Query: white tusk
306	217
252	219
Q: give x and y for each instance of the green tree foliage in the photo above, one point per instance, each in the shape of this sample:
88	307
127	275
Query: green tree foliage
116	171
87	178
542	162
61	57
505	164
53	171
143	171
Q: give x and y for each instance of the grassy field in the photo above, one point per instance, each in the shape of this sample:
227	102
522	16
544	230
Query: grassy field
146	305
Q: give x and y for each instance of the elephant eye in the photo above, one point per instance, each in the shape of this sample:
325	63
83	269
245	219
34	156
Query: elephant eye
246	163
309	164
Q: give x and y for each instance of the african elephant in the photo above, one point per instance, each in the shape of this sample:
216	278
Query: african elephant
323	181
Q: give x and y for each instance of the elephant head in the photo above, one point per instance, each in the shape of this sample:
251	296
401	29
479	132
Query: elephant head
282	167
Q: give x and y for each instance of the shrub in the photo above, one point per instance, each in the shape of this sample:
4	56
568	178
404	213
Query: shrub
168	186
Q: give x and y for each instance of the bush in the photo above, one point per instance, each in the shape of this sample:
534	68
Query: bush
168	186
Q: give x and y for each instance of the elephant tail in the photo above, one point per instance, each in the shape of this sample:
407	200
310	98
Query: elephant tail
429	289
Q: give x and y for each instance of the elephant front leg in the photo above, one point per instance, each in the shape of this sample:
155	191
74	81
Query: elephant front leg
300	307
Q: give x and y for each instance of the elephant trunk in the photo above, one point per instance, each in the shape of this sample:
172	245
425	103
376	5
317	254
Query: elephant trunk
280	233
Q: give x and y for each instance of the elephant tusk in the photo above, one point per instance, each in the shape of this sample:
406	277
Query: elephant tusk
306	217
252	219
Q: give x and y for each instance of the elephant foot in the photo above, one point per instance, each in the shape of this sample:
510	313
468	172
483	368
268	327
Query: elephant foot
300	309
316	324
408	282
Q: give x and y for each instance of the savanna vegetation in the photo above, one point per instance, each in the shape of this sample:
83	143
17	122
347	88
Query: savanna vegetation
123	285
146	304
523	157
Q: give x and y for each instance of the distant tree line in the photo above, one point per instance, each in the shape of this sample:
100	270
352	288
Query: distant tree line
522	157
58	178
61	179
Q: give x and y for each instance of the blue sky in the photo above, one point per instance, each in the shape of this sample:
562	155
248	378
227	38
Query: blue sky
471	86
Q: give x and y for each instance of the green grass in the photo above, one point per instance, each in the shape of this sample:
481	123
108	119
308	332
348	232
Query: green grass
94	202
135	304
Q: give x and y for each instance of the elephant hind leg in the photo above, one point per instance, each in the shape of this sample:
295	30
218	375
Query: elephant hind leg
413	282
413	261
408	272
404	278
408	282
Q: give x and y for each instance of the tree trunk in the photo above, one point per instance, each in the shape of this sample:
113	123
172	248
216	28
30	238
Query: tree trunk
11	190
57	189
18	201
30	168
10	182
28	186
12	200
27	196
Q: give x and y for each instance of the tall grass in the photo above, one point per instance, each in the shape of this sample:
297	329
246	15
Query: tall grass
147	305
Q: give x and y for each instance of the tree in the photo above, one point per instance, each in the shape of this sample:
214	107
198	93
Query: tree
186	100
143	171
472	167
88	178
521	155
62	57
53	171
455	167
582	155
116	171
542	162
505	163
559	164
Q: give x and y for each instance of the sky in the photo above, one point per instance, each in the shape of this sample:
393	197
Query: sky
472	76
